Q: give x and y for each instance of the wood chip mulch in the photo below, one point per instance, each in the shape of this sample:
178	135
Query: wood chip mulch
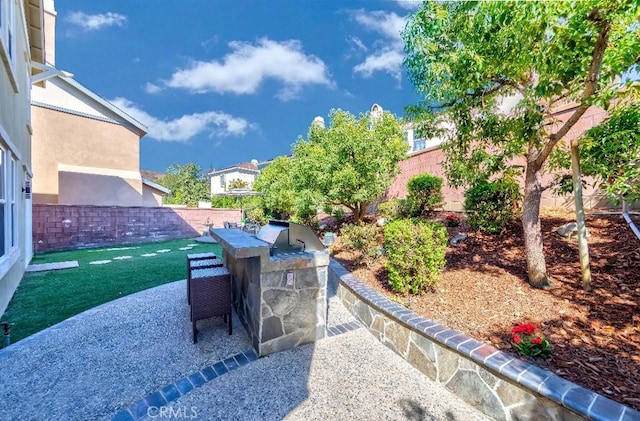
483	293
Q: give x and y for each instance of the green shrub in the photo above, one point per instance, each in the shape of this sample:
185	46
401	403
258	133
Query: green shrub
425	194
338	213
415	251
228	202
491	205
257	216
391	209
306	210
410	207
361	239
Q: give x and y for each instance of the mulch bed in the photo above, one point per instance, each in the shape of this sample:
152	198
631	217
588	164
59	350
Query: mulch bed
483	293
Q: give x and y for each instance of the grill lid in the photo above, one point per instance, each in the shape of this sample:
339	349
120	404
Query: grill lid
285	236
270	232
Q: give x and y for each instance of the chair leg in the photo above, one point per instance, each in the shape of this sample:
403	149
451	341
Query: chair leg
230	324
195	332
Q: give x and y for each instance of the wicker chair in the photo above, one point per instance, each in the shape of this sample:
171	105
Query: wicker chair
210	294
200	261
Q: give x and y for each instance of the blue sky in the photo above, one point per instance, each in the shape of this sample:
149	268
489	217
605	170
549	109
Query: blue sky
219	82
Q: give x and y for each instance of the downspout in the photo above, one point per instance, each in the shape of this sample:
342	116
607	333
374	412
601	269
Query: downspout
625	215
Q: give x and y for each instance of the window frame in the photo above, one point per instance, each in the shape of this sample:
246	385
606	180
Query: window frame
8	53
3	203
13	206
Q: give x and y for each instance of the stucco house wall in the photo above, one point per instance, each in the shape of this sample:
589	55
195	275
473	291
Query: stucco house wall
81	160
21	43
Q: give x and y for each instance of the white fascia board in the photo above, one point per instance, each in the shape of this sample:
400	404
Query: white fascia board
155	185
135	123
232	170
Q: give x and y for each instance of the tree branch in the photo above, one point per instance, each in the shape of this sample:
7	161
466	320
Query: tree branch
591	85
500	83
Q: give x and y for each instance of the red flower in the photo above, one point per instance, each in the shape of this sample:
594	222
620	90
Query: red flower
516	338
537	340
526	328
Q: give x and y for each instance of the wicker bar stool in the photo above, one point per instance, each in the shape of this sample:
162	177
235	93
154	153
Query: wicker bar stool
210	296
200	263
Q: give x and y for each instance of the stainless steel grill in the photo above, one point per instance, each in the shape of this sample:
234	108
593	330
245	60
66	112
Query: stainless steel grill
288	237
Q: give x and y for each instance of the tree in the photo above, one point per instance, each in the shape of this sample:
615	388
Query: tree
276	185
237	183
187	184
499	69
352	162
610	153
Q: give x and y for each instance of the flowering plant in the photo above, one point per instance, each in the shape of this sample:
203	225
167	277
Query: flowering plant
452	220
529	342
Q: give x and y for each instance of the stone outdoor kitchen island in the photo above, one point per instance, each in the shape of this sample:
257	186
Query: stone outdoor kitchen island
281	298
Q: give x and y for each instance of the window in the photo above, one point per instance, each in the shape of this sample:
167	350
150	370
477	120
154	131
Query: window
7	35
3	202
419	144
222	181
8	205
13	218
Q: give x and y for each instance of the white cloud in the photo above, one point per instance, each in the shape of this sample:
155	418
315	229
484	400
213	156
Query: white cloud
357	44
94	22
389	61
242	71
388	52
386	24
213	123
409	4
150	88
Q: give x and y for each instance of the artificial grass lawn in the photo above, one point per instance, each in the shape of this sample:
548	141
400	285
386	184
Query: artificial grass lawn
46	298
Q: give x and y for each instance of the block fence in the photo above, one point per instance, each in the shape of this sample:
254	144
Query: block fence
498	384
66	227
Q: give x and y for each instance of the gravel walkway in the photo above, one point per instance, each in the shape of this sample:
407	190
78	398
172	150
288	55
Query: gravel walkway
123	359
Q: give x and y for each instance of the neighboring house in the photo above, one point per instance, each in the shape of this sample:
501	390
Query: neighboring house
86	151
21	45
246	171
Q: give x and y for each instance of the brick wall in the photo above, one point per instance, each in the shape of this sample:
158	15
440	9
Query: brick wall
430	161
65	227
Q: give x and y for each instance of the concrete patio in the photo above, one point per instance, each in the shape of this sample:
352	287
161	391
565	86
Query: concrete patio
133	359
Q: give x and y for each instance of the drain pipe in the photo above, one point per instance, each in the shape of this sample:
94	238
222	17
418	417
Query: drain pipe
625	215
6	330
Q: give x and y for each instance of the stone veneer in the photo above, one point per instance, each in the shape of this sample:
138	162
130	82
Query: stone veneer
499	384
282	299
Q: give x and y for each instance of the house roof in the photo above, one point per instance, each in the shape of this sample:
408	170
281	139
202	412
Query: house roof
156	186
245	166
91	99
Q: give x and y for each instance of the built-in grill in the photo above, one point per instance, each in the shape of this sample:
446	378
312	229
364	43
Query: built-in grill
279	279
289	237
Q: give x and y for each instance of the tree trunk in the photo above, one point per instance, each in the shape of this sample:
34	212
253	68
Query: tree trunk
536	265
583	246
363	210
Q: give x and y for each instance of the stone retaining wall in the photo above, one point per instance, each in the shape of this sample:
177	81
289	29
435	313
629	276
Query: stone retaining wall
498	384
66	227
